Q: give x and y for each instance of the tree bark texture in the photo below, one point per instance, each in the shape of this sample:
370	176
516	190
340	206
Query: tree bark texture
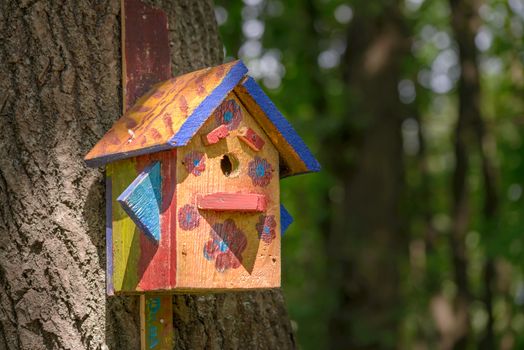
60	91
366	245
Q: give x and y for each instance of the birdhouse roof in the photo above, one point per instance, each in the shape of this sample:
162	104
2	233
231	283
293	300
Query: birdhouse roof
173	111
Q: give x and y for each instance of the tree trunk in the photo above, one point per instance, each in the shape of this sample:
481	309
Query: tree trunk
471	138
366	245
60	90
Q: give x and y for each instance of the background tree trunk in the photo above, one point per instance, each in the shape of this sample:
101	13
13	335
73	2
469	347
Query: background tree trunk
366	245
60	90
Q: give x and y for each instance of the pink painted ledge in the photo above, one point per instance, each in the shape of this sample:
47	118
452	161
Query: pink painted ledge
224	201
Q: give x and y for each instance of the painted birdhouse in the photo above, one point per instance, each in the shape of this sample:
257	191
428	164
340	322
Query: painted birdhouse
192	173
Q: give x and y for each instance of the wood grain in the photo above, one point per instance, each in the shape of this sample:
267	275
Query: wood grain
142	199
260	262
140	264
146	58
125	253
168	115
251	138
215	135
225	201
156	322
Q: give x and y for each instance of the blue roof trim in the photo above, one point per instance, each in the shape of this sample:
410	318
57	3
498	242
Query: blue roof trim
285	219
210	103
287	131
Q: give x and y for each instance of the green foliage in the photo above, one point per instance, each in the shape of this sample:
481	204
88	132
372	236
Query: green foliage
297	50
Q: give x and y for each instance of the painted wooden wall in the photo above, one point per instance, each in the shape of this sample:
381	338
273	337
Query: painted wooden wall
137	263
202	249
227	250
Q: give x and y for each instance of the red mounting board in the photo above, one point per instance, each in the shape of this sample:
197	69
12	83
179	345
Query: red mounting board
146	59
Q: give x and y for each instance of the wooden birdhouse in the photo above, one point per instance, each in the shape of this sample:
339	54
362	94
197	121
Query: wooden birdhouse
192	173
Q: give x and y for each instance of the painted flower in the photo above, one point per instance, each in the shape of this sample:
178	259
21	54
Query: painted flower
229	113
226	245
195	162
266	227
260	171
188	217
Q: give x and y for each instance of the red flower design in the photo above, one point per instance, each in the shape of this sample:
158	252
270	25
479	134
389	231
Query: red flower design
188	217
229	113
195	162
260	171
226	245
266	228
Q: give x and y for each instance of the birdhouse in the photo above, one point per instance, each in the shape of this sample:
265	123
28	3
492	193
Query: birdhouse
193	193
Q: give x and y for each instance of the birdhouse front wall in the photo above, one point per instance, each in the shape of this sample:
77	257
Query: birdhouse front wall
228	200
135	262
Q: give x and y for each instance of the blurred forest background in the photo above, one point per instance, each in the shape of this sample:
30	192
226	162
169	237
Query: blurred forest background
412	236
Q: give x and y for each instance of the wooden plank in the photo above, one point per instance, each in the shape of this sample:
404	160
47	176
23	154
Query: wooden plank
156	322
215	135
142	199
146	59
224	201
251	138
156	265
125	234
109	233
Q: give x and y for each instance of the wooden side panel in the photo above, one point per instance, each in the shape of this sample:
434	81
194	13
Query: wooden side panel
109	232
228	250
156	322
155	266
125	233
140	264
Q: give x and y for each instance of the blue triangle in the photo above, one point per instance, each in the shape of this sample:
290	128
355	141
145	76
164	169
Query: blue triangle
142	201
285	219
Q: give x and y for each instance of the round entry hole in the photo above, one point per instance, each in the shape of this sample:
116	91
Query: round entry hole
229	165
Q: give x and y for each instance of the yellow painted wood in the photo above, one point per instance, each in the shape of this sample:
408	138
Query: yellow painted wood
125	234
260	266
158	115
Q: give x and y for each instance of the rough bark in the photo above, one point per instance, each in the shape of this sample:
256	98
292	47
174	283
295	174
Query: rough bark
366	245
60	90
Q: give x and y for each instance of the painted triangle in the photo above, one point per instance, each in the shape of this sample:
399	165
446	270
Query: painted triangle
142	201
